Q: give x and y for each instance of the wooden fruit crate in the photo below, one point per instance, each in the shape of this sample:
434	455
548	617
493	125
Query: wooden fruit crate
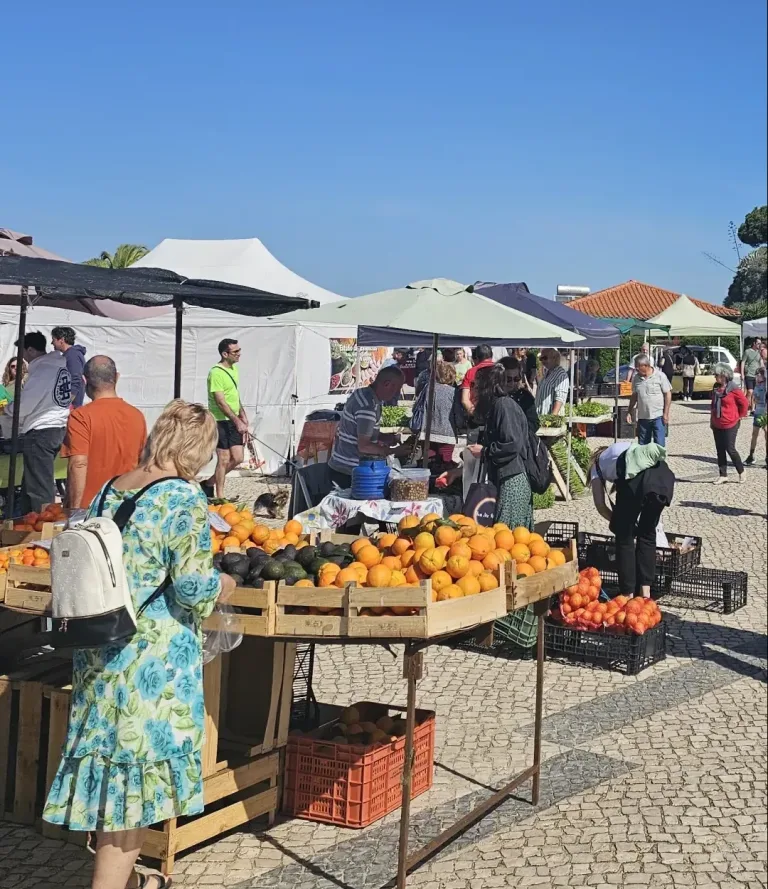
422	616
522	591
256	612
26	588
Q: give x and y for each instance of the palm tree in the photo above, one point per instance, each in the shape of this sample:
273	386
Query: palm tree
124	256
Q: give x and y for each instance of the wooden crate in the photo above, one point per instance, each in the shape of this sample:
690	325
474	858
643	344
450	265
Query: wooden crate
11	538
27	589
256	615
522	591
24	736
424	617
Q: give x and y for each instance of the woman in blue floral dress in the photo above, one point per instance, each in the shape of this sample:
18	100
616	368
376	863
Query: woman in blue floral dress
136	725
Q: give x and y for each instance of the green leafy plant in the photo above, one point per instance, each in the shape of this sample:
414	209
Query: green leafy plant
394	416
559	452
544	501
550	421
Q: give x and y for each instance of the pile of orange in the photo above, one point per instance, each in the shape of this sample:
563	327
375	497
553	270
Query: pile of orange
34	521
34	556
580	607
245	532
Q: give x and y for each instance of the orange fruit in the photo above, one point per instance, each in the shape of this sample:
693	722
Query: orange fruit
329	570
469	585
230	541
525	570
347	575
379	575
457	566
424	540
241	531
505	539
400	546
443	550
491	562
260	534
368	555
225	509
522	535
358	544
539	548
413	574
452	591
233	518
480	546
292	538
500	526
392	562
249	544
501	554
520	553
538	563
557	556
304	583
468	526
441	579
460	548
432	560
475	567
430	517
386	540
398	579
293	527
446	536
487	581
407	557
409	521
216	545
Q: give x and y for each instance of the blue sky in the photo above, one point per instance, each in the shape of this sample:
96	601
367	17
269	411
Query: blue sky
369	145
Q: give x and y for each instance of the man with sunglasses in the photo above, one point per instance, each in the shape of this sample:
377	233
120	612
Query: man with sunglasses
225	405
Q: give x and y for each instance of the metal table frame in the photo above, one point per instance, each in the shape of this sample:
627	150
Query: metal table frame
412	672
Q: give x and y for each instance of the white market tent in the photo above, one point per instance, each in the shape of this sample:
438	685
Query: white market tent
685	318
756	327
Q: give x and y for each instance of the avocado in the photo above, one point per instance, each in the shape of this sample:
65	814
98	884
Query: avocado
305	555
238	578
294	572
344	548
255	572
235	563
290	551
280	556
337	559
217	560
328	549
257	583
316	564
273	570
257	555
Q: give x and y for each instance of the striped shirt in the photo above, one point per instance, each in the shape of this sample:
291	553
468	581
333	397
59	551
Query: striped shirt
554	387
361	416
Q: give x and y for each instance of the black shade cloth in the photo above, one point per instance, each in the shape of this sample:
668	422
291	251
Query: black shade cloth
139	286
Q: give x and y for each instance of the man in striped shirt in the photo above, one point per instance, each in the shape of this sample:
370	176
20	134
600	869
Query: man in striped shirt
358	430
553	389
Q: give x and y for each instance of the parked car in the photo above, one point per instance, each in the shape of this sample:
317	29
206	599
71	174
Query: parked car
708	357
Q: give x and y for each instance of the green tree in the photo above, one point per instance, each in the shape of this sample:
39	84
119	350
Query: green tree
754	230
750	284
124	256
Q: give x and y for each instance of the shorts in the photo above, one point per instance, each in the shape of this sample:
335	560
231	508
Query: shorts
749	382
229	437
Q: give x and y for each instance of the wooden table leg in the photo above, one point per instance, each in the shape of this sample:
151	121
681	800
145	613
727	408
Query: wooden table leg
412	670
539	708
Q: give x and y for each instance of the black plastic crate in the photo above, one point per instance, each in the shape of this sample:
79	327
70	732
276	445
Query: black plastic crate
304	708
601	648
498	648
599	551
558	534
728	589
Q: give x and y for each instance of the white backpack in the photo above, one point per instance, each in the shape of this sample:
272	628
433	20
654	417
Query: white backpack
91	598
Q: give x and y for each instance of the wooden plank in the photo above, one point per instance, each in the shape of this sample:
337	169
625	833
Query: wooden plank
383	597
306	597
28	751
29	601
310	625
522	591
157	842
247	624
30	574
207	826
469	611
57	735
211	694
278	661
6	691
389	626
244	597
230	781
286	695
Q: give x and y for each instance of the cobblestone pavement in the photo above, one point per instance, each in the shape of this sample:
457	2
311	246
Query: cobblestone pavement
654	780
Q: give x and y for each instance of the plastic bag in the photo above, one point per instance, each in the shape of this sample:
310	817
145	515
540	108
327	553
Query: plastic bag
216	642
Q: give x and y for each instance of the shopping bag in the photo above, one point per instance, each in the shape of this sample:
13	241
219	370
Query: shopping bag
480	502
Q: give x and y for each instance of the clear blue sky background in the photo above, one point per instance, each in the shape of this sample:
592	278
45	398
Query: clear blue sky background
369	145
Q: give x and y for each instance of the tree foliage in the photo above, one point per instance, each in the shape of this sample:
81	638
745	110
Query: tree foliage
750	284
124	256
754	230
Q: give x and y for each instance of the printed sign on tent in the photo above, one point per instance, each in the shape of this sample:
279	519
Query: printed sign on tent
344	361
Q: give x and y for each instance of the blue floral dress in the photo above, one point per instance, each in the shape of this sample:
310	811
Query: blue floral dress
136	724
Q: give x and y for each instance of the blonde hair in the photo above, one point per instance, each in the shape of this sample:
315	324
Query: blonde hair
445	373
183	436
7	372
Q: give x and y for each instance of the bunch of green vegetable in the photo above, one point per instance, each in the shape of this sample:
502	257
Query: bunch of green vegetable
581	452
550	421
394	416
559	452
761	421
544	501
591	409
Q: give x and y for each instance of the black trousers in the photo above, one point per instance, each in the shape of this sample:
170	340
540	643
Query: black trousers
688	386
725	444
39	449
634	524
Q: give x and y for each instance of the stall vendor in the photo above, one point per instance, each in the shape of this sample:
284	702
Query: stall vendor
357	435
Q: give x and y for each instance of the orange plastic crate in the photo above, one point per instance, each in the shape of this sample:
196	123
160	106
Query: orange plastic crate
350	785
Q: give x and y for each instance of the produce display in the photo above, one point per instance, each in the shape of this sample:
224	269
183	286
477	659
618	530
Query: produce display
580	607
33	556
587	409
551	421
559	452
34	521
545	500
408	489
394	417
351	729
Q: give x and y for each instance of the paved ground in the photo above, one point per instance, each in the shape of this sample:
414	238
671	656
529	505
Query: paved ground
653	780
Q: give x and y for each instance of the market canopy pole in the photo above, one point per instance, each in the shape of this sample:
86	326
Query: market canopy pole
179	307
17	384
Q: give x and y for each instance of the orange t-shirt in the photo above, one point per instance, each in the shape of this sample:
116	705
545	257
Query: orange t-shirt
111	433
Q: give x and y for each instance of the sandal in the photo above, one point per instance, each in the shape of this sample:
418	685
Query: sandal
162	882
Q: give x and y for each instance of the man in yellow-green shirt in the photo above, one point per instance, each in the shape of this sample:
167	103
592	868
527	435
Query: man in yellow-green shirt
224	403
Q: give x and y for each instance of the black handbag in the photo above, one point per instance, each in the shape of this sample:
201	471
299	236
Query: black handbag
480	503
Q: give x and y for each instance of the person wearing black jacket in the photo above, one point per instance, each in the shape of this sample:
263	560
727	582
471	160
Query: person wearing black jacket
505	447
517	387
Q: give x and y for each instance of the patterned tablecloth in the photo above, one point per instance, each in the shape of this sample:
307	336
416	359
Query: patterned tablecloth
337	509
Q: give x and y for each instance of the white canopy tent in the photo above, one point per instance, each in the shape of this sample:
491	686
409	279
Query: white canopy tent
756	327
244	261
685	318
285	369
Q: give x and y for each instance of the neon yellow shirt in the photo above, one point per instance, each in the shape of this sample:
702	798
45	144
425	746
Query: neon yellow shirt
226	381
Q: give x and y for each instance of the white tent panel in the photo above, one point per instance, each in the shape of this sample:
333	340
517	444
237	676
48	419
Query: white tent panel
756	327
244	261
284	371
685	318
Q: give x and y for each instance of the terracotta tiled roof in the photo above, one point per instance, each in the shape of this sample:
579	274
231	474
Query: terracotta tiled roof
633	299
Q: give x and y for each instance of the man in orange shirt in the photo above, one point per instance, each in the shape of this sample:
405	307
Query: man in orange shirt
104	438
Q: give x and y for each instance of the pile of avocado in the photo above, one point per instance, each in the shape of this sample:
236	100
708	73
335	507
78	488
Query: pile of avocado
288	564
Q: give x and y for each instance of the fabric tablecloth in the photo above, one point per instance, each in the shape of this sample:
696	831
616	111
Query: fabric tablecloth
337	509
